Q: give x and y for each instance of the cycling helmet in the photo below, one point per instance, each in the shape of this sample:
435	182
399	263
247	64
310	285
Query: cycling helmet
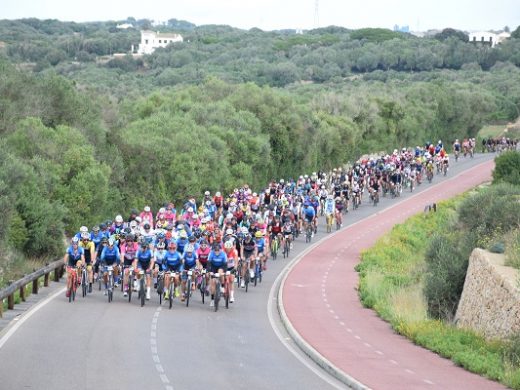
217	194
229	232
204	242
95	229
259	234
104	239
228	244
161	245
111	241
119	219
130	237
147	209
161	235
206	193
143	242
75	240
172	244
183	234
190	248
190	209
83	229
216	247
192	238
248	237
146	225
102	226
85	236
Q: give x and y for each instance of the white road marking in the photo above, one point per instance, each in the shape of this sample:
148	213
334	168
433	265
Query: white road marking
393	362
357	337
379	352
409	371
428	381
367	345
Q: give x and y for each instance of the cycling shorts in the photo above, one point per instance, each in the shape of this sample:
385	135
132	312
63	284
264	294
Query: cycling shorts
174	268
213	268
144	266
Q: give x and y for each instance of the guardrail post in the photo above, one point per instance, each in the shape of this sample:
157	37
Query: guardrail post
62	271
10	302
1	308
46	280
22	293
35	286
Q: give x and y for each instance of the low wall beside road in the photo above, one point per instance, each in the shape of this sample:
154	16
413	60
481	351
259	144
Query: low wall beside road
490	302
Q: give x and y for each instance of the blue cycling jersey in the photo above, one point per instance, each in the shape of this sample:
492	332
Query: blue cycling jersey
190	259
144	256
110	255
217	260
74	255
172	259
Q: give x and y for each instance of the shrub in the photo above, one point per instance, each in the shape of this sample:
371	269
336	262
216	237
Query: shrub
511	351
512	248
507	168
445	275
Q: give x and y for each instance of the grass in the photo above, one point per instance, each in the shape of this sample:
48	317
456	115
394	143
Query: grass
391	284
496	131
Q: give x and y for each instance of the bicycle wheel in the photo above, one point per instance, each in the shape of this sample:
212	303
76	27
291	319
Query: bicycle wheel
171	291
84	283
142	293
188	291
71	289
160	289
246	279
217	294
226	293
203	288
130	286
110	288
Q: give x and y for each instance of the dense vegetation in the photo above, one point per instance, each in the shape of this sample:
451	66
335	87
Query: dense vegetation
413	277
84	136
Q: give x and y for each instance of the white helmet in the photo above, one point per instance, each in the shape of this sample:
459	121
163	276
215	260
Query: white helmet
119	219
147	209
228	244
229	231
206	193
83	229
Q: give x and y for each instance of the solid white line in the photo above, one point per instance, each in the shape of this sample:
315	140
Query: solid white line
28	315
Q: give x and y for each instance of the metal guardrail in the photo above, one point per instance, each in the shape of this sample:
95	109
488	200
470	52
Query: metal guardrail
58	267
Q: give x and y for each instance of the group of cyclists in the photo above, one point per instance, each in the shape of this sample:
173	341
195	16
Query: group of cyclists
232	236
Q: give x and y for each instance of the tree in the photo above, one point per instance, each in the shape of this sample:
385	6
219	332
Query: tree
449	33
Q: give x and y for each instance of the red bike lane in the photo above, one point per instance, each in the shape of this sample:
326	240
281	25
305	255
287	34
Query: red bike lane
321	302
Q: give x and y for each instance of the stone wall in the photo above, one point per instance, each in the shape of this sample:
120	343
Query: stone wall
490	302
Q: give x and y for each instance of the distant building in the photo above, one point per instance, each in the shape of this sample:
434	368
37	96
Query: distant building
124	26
403	29
488	38
151	40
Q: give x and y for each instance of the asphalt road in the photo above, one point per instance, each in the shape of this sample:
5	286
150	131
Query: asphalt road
93	344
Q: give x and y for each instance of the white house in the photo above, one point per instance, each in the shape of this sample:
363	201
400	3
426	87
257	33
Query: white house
488	38
151	40
124	26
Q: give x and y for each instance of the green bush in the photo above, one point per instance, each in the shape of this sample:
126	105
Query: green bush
507	168
445	274
512	248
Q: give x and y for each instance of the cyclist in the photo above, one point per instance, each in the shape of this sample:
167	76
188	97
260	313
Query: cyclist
329	209
232	260
261	248
456	148
217	262
339	205
129	250
89	249
159	256
144	257
309	215
287	231
74	258
189	262
248	253
275	229
110	256
173	263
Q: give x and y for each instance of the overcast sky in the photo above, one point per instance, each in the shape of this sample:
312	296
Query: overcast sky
277	14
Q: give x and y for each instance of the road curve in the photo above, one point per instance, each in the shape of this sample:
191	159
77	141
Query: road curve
94	344
354	339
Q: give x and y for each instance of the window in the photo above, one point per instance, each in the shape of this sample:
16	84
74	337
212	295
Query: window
146	41
482	39
474	39
160	41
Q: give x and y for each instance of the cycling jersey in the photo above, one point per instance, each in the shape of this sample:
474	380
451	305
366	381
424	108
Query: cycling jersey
160	256
173	261
232	256
89	249
260	244
249	248
190	260
110	255
181	243
129	250
203	256
217	261
329	206
309	213
74	255
144	257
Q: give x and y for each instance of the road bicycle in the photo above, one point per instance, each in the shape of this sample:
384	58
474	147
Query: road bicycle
218	292
188	274
227	288
73	272
275	245
160	286
110	282
286	247
142	289
201	283
84	281
308	232
258	271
